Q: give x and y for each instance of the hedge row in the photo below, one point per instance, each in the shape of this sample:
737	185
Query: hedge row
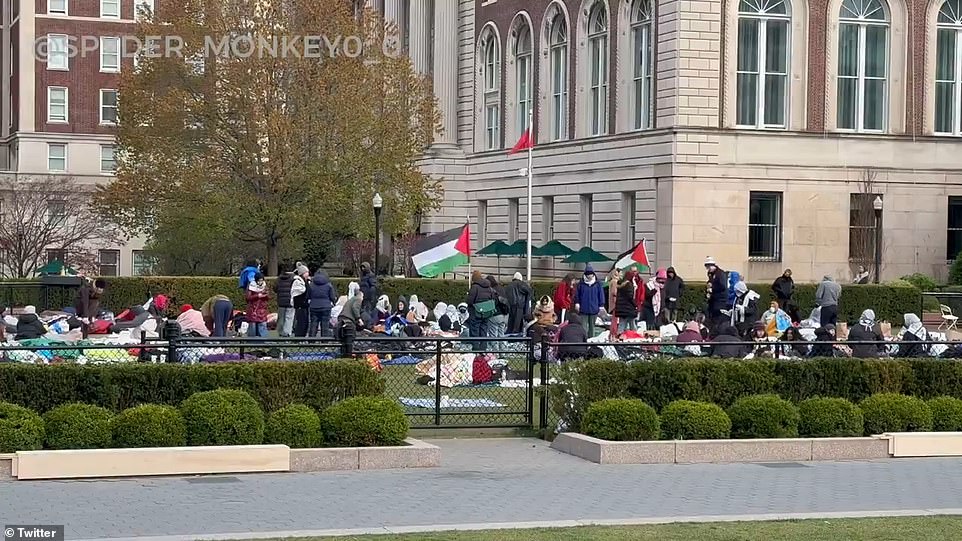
890	301
218	417
121	386
722	382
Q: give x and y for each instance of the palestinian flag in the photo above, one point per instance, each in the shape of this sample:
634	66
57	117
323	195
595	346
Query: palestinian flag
436	254
634	259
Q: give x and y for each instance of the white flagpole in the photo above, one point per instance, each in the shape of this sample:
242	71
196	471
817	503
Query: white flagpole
467	220
530	177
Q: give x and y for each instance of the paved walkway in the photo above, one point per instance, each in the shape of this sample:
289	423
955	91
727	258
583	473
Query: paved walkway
481	481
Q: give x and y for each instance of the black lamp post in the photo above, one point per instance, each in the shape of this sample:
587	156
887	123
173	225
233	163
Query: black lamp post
877	205
378	203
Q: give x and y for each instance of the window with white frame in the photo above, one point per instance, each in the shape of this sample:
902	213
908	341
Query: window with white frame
514	219
110	9
143	9
108	106
57	52
522	59
143	264
57	104
558	64
491	79
586	231
547	218
598	68
56	7
109	55
762	64
56	157
108	162
765	226
862	65
948	69
641	50
109	262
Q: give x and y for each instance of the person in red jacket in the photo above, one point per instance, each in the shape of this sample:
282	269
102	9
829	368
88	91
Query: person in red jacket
564	297
635	277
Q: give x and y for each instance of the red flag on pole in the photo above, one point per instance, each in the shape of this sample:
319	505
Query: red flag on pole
523	144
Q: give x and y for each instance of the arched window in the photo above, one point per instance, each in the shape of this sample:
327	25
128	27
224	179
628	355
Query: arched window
558	60
948	69
598	68
522	58
762	67
641	39
491	88
862	65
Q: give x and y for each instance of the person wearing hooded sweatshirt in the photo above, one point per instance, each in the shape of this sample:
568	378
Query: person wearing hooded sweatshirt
301	301
654	305
716	293
823	334
744	311
383	308
625	309
589	298
88	299
247	273
564	296
368	287
29	325
784	289
674	289
866	331
724	344
794	343
285	303
322	297
913	333
826	297
572	333
478	299
348	323
520	298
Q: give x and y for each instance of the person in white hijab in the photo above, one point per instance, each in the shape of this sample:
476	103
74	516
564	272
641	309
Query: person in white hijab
912	333
440	309
352	289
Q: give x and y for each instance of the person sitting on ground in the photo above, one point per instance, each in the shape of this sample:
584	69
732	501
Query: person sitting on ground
725	343
544	311
574	333
912	334
691	334
383	308
702	320
191	322
759	334
29	325
795	344
776	320
824	334
866	331
861	277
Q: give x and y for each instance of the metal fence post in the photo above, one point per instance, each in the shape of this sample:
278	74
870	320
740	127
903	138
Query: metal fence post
543	407
171	351
529	410
437	384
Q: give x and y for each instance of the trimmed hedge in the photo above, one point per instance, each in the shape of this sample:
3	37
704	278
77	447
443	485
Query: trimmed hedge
149	425
296	426
121	386
364	421
621	419
891	412
763	416
687	420
223	417
888	300
829	418
946	414
77	426
21	429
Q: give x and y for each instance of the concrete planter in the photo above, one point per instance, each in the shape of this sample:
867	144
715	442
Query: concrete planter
101	463
717	451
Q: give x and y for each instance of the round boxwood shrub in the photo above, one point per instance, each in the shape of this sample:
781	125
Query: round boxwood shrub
621	419
77	426
364	421
21	429
829	418
946	414
687	420
296	426
149	425
891	412
223	417
763	416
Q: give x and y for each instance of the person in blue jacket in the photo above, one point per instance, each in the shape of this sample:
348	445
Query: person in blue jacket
247	274
322	296
589	298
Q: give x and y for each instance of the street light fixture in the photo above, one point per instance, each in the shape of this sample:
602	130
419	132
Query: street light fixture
877	205
377	202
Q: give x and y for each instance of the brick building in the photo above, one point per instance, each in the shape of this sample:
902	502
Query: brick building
61	63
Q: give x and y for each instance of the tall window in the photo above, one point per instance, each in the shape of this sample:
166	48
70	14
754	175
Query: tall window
953	241
514	213
108	162
110	9
861	227
109	55
143	264
143	9
56	157
629	206
862	65
765	226
57	104
57	255
547	219
109	262
948	69
586	231
57	52
641	38
56	7
598	68
558	51
522	56
491	77
762	70
482	223
56	212
108	106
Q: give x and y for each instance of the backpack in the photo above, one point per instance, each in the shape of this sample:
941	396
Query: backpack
486	309
481	371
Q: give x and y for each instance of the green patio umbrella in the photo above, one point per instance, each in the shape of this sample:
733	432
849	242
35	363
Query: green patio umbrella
552	249
55	267
586	255
497	248
519	248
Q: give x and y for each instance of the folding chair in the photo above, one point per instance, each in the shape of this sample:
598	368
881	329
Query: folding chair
949	321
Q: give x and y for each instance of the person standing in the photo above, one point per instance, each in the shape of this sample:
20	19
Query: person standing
564	297
716	293
217	312
861	277
285	304
300	300
674	289
257	298
482	304
784	289
251	268
348	323
654	300
826	297
625	309
588	299
613	282
322	299
498	323
368	287
520	298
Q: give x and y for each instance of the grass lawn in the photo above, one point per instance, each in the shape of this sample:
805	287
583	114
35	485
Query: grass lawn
870	529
